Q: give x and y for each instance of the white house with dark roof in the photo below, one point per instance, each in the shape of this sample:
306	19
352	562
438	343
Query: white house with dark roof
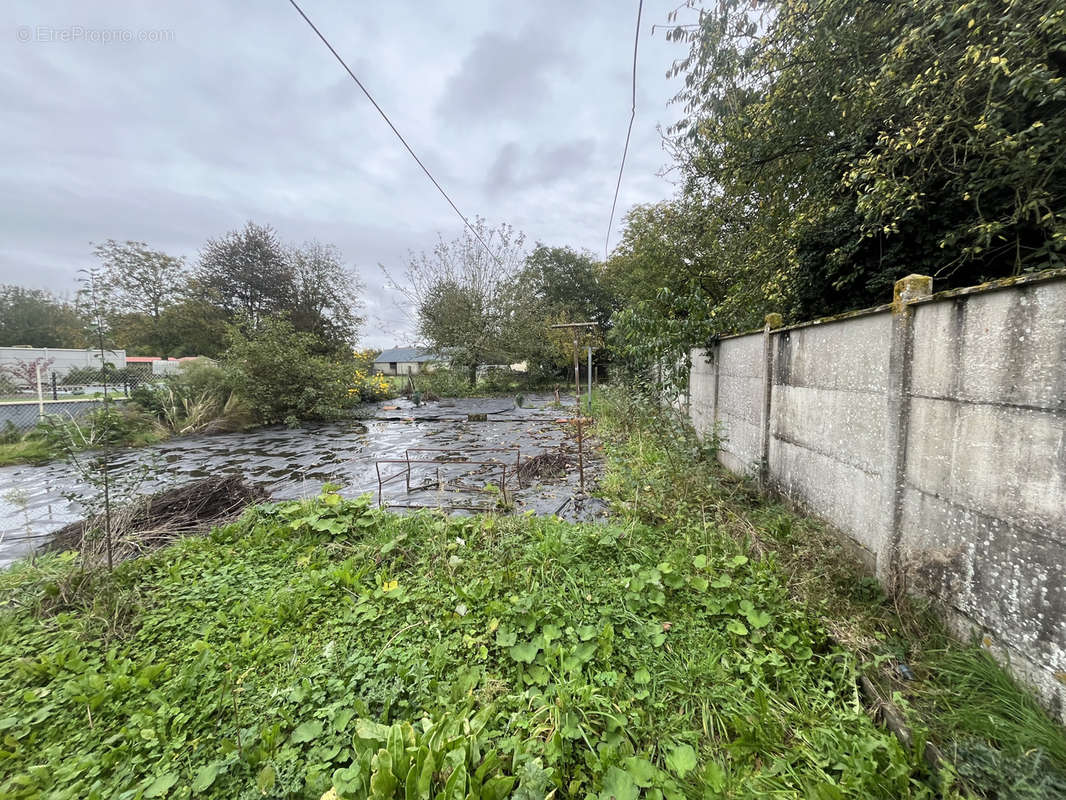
406	361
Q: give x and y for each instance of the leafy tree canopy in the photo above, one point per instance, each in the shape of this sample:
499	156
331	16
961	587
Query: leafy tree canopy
39	319
829	148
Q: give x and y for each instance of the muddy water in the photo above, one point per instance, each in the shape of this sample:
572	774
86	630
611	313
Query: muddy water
290	463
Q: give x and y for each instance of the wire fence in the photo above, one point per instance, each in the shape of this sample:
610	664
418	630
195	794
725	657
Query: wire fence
25	402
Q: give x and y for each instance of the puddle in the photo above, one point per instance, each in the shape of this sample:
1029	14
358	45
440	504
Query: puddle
292	463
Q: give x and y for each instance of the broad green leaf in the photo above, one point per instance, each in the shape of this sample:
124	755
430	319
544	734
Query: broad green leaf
383	782
455	788
205	776
497	788
370	731
161	785
342	718
737	627
758	619
682	760
642	770
307	731
506	637
525	653
619	785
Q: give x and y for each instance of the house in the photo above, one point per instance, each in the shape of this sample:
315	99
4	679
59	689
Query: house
405	361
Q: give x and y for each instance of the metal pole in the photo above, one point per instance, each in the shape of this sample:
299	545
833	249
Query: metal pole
55	388
577	409
40	391
588	380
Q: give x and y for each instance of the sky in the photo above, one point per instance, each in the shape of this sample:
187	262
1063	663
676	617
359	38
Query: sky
174	123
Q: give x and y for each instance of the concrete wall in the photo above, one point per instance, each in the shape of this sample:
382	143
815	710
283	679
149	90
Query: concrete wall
739	401
932	433
65	359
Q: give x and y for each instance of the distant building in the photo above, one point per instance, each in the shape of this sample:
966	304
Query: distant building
406	361
156	367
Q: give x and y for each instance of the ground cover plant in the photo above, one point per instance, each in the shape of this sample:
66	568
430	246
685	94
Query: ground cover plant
324	646
123	425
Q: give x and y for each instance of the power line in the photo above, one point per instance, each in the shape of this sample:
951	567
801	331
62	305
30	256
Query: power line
629	132
399	136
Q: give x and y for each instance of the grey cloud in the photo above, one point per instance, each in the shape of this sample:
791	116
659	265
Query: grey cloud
504	75
502	174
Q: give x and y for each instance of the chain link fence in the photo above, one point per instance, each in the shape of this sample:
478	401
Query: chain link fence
24	403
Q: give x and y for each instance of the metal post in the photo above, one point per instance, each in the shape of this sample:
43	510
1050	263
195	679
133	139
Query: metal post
55	387
40	391
577	409
575	327
588	379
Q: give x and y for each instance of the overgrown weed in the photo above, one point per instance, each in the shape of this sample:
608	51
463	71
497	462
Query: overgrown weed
282	655
660	472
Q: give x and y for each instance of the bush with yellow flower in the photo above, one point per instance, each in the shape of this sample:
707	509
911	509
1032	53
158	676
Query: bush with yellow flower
367	386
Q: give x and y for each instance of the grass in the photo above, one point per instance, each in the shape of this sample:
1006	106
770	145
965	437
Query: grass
602	661
323	648
29	450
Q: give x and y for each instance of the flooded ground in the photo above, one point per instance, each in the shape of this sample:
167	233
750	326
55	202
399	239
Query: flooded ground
291	463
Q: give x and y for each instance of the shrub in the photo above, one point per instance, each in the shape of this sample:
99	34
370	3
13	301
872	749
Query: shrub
367	387
281	376
200	397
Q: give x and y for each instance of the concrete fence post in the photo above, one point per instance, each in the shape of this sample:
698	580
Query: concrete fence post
772	321
901	349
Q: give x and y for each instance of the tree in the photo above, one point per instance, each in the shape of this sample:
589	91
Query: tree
39	319
26	371
193	327
246	273
326	295
141	280
571	282
836	146
466	299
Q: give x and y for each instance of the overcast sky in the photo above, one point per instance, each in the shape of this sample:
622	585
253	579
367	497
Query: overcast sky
198	116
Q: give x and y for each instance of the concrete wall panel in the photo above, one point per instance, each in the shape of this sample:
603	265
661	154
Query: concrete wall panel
845	497
1006	347
1006	580
740	381
850	355
846	426
1008	463
702	391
